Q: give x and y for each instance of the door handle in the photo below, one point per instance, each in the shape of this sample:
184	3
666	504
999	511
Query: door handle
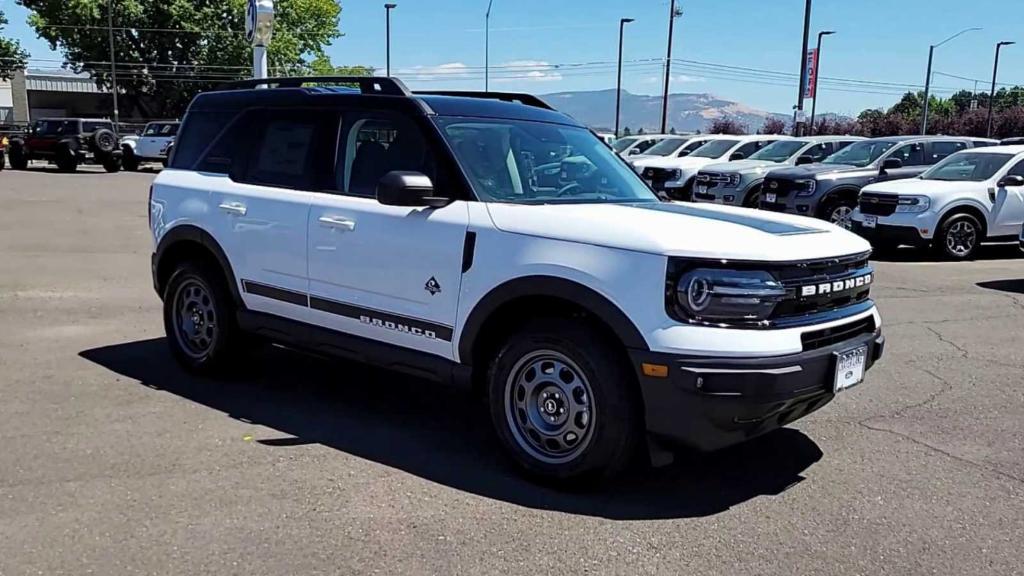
337	222
234	208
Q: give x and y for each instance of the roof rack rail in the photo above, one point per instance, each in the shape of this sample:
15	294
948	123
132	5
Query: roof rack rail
367	84
521	98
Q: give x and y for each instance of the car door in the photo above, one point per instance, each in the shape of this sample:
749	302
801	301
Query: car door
912	157
272	159
1008	208
389	273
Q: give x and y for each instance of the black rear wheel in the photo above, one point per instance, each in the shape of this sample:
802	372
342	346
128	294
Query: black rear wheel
199	319
112	164
129	161
18	159
66	161
563	402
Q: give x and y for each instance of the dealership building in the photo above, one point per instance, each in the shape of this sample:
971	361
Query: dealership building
33	94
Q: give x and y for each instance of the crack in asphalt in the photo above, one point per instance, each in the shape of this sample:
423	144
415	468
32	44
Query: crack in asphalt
963	351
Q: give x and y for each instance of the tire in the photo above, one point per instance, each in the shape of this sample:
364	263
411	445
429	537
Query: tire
838	211
66	161
104	140
18	159
578	424
129	161
112	164
199	319
3	160
958	237
753	199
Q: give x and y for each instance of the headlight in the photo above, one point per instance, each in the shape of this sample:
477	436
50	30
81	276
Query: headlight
734	180
809	187
677	174
710	295
913	204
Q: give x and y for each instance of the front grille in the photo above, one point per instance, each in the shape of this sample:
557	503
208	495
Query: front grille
819	274
659	175
816	339
878	204
712	179
783	187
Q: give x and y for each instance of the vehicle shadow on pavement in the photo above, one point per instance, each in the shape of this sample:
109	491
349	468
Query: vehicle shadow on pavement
443	435
985	252
1013	285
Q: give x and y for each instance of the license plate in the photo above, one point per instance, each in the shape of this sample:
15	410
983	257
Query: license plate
702	188
870	221
850	368
769	197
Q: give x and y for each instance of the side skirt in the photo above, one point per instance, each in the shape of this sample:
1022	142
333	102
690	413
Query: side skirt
323	341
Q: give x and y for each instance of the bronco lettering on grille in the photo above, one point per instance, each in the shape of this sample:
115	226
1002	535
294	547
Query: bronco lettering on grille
836	286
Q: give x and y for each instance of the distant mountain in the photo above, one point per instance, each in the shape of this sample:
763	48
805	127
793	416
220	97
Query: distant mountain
687	112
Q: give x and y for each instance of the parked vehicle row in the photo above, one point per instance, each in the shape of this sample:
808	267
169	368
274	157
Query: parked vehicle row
68	143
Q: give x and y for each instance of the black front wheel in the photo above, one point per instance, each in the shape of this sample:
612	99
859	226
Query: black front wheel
112	164
564	402
958	237
66	161
3	160
199	319
18	159
129	161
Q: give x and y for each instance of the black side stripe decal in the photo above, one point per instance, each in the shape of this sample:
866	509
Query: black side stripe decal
273	292
383	319
368	316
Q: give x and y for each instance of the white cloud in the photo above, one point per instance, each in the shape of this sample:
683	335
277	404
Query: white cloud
441	71
526	71
676	78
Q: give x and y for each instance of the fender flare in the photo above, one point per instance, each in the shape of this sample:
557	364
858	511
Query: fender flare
196	235
555	287
833	192
964	206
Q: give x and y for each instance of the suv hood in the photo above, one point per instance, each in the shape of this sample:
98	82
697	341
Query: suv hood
682	229
741	166
919	187
820	171
684	162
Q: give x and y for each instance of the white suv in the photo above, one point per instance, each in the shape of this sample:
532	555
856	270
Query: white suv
969	197
674	177
426	233
153	145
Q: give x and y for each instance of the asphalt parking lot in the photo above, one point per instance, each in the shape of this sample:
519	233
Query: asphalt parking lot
113	461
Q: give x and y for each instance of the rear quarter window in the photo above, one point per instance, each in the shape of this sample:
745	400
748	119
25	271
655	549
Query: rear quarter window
198	132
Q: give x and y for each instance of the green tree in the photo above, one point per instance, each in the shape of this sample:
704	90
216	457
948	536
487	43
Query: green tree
168	50
626	131
12	56
640	132
672	130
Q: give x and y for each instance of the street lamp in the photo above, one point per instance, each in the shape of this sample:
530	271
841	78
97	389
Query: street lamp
817	68
672	15
928	77
113	67
618	82
387	11
992	95
798	116
487	47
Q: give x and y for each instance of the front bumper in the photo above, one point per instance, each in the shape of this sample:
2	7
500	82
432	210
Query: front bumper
889	234
710	403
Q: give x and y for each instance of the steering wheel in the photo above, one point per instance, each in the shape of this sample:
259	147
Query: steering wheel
567	188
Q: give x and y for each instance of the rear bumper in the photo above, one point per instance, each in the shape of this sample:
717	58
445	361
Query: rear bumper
710	403
890	234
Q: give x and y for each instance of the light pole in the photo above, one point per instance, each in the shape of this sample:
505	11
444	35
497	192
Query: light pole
387	11
113	67
992	94
487	47
799	114
928	77
672	15
618	82
817	68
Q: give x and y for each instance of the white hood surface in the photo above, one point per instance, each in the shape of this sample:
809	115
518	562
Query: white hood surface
741	166
684	163
682	229
919	187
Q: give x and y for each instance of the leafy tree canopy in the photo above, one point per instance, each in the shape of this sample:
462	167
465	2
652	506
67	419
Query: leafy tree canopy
12	56
168	50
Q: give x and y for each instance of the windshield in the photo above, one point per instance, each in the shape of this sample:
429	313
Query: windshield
161	129
623	143
967	166
665	147
538	163
714	149
861	153
779	151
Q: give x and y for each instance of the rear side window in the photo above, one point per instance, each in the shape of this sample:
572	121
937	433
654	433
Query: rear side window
942	149
198	131
819	152
92	126
282	153
982	143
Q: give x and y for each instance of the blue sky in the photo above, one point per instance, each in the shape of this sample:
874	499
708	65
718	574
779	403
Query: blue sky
545	46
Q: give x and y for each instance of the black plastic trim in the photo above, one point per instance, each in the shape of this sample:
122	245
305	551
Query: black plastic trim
533	286
190	233
468	251
439	331
275	293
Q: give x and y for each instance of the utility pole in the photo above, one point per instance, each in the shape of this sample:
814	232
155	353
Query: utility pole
113	65
992	94
387	11
817	73
618	82
672	15
798	119
487	47
928	78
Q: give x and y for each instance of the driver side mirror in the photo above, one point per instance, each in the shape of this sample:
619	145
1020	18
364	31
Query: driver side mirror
737	156
1007	181
804	159
400	188
892	164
